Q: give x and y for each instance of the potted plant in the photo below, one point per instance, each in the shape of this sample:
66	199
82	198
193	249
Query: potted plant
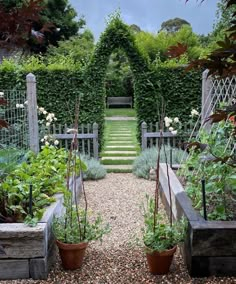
161	236
160	239
74	229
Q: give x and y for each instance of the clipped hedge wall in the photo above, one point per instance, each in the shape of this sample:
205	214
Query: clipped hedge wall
181	90
57	89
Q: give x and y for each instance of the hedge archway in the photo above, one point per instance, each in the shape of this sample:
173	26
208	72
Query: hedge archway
118	35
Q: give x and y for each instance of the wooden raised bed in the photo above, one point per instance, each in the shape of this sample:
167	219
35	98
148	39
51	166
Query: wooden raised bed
29	252
210	247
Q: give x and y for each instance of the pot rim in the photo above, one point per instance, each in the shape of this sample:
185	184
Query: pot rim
162	253
67	246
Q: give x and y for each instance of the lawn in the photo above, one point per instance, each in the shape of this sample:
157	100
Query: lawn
120	112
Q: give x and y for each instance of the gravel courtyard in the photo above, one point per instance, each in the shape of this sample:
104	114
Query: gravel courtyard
119	259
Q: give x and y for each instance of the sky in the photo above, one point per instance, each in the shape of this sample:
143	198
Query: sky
147	14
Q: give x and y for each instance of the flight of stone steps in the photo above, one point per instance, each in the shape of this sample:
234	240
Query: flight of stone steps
121	146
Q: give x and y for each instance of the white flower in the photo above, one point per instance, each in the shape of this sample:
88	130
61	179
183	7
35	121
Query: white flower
47	143
166	118
170	120
55	118
49	117
48	124
45	137
174	132
176	119
45	112
21	106
56	142
171	129
42	140
41	109
167	124
1	94
194	112
26	103
17	105
52	115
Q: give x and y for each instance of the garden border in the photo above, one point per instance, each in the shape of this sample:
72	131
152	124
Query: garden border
30	251
210	247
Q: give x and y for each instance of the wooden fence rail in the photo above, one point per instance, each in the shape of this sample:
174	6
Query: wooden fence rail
87	136
150	138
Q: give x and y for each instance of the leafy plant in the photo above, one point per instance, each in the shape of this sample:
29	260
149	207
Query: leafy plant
9	159
79	230
74	226
94	169
211	160
163	236
46	172
147	160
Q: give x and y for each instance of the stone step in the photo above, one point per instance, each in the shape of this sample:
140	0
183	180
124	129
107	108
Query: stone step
122	167
119	142
118	158
119	146
120	152
120	135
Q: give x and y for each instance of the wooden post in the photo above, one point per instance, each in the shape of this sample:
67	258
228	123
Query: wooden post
144	139
206	96
32	113
95	140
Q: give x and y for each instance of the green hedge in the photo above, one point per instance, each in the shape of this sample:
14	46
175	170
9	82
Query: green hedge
181	90
57	89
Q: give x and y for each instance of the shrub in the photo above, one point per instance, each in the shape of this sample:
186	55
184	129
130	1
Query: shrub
148	159
94	169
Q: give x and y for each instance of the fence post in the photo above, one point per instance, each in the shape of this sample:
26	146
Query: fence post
32	113
206	96
95	140
144	139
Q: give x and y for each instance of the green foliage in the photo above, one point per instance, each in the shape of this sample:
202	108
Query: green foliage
148	160
78	49
161	236
9	159
46	172
219	176
94	169
181	90
68	229
154	46
61	82
173	25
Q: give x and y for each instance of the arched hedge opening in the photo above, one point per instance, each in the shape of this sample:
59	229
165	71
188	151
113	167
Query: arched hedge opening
118	35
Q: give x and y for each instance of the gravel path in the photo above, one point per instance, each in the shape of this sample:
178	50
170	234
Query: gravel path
119	260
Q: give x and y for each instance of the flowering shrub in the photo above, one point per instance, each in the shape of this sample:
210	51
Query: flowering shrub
175	126
45	120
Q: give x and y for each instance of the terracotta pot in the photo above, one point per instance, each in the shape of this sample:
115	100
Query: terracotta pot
72	255
159	262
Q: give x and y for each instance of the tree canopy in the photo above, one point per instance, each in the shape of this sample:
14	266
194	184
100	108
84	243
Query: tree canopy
173	25
48	21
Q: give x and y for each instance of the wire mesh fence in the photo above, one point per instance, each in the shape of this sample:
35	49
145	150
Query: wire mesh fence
13	139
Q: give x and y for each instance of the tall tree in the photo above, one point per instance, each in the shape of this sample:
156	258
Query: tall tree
173	25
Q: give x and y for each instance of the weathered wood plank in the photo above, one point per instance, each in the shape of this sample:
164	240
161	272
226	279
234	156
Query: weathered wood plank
21	241
14	269
70	136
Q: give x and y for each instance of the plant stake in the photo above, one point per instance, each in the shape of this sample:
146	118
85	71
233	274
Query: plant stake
203	181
